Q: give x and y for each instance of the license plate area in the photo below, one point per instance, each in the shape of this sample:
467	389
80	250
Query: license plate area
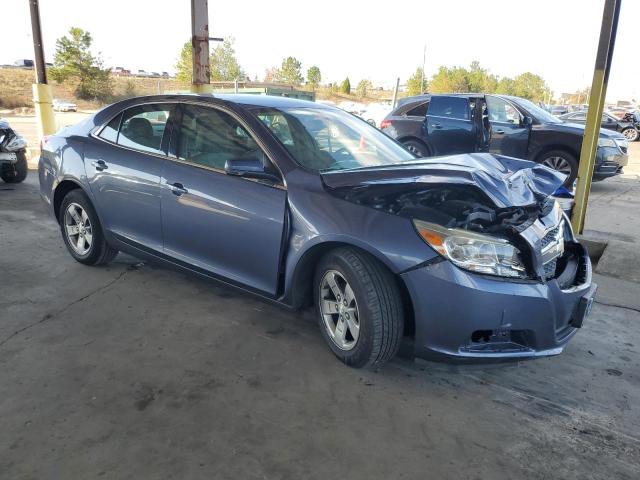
584	307
12	157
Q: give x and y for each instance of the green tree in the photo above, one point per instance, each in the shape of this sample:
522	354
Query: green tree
480	80
345	86
290	71
223	63
363	87
314	77
531	86
450	80
417	83
505	86
184	66
73	61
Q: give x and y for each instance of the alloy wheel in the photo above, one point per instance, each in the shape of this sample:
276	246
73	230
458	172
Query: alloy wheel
339	310
558	163
414	150
631	134
78	228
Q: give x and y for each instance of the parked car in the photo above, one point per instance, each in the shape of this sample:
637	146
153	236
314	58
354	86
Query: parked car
558	109
634	118
628	129
461	123
303	204
24	63
64	106
374	113
13	154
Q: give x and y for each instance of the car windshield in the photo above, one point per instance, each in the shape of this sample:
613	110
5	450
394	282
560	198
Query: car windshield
324	139
540	114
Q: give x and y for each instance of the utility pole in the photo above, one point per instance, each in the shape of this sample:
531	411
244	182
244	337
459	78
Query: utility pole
424	59
395	94
201	74
41	90
597	95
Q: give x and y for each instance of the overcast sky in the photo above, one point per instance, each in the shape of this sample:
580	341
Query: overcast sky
363	39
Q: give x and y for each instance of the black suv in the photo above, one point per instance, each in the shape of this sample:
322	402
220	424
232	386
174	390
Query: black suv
431	125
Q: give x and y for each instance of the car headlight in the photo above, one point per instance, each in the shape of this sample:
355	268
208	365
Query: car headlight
473	251
622	142
606	142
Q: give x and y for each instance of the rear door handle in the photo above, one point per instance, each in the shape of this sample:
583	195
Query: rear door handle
178	189
499	131
100	165
437	126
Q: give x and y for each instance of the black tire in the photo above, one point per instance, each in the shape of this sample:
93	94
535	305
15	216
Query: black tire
379	305
632	134
18	172
549	158
99	252
417	148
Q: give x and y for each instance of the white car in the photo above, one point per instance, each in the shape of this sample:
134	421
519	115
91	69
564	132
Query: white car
376	112
64	106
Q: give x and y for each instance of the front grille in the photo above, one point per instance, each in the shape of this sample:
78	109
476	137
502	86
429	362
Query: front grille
550	237
550	268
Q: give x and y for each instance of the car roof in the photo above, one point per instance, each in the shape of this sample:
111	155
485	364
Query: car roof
238	98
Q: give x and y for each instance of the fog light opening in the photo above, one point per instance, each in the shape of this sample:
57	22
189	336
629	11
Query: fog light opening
481	336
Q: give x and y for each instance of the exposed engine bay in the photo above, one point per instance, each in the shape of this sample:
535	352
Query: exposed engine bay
452	206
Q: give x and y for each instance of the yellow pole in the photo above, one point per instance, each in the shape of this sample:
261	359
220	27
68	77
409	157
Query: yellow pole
41	90
596	105
44	109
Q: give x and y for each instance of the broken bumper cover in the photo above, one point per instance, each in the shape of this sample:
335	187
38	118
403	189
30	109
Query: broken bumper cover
463	315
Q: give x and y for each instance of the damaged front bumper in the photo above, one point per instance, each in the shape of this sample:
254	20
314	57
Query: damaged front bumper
459	314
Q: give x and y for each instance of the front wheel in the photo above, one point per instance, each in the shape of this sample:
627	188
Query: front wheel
631	134
562	162
359	308
17	172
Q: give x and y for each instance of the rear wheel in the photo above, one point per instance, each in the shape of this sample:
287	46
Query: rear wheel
417	148
18	171
562	162
82	232
631	134
359	308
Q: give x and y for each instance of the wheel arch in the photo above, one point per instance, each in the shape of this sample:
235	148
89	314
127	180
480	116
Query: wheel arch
61	190
300	292
537	155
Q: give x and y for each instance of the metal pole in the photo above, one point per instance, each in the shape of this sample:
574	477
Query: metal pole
41	72
395	93
424	58
596	105
201	76
41	91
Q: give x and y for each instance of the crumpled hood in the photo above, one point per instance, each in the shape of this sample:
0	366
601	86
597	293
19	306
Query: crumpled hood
506	181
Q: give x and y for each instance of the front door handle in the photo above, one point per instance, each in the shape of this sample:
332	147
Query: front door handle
437	126
178	189
500	131
100	165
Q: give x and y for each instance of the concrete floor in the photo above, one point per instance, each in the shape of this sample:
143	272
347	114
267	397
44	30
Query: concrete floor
133	371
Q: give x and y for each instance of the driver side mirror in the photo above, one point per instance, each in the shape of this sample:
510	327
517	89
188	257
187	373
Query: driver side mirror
251	167
527	121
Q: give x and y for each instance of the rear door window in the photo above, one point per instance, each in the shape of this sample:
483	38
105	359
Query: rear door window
143	127
449	107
